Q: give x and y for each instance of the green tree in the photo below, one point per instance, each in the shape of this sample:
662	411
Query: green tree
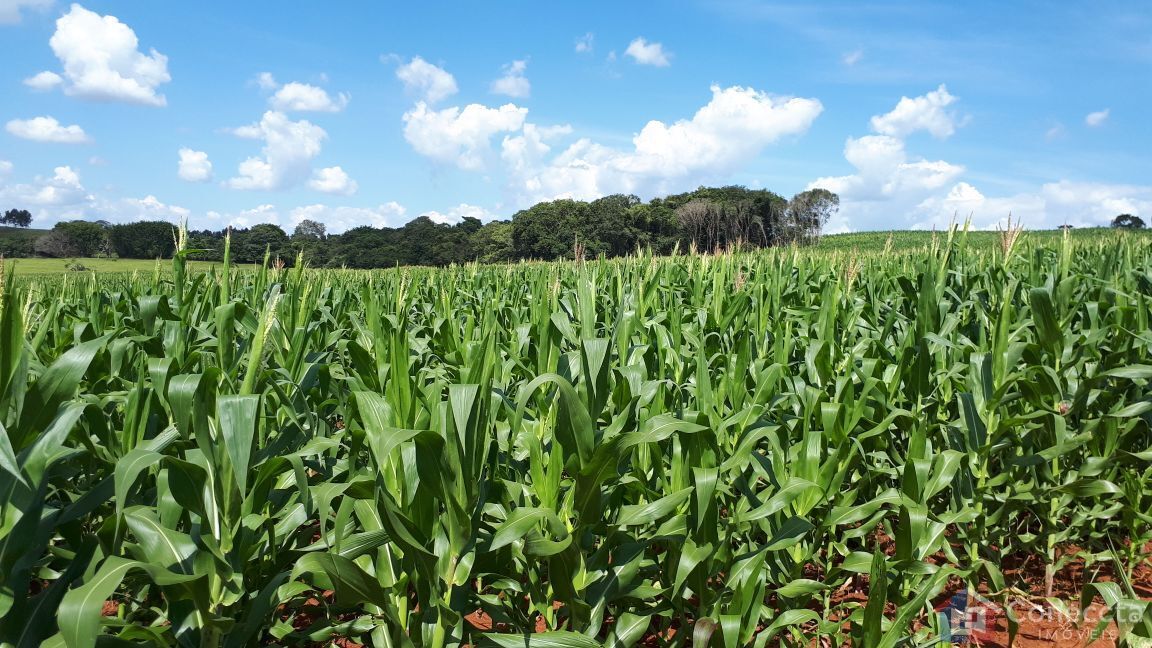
1128	221
208	243
309	230
16	218
492	243
364	247
548	230
608	227
143	240
249	245
808	212
656	225
78	238
311	238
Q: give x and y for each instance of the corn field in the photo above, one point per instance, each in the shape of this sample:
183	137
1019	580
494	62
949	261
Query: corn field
695	450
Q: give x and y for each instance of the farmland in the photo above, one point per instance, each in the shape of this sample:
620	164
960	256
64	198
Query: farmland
757	448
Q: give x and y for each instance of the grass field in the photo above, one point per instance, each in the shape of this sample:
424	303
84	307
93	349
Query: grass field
40	266
21	232
798	447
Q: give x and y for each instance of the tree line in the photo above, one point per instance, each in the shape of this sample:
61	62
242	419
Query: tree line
707	219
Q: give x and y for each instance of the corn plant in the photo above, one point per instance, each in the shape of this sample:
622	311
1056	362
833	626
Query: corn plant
750	448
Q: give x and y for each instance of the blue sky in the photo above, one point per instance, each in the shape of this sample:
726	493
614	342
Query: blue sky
375	113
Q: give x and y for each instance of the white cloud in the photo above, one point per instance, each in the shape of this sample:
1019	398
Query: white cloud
729	131
585	43
63	197
1097	118
265	81
266	213
927	112
102	61
513	83
333	180
889	184
194	166
1056	132
884	171
10	9
426	81
458	213
128	210
289	147
459	137
43	81
341	219
63	189
1080	204
892	190
5	167
301	97
852	58
646	53
47	129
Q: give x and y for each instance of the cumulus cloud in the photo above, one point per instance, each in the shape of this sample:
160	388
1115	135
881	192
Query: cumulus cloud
459	136
884	170
43	81
426	81
301	97
1080	204
149	207
646	53
46	129
1097	118
888	182
266	213
891	189
725	134
513	83
341	219
928	112
585	43
62	189
10	9
731	129
102	61
333	180
194	166
458	213
62	196
289	147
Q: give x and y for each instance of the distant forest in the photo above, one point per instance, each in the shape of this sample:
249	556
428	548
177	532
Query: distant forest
706	219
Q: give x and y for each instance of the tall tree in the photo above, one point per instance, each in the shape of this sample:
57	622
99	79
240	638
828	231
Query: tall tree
548	230
1128	221
249	246
492	243
309	230
809	211
143	240
16	218
79	238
